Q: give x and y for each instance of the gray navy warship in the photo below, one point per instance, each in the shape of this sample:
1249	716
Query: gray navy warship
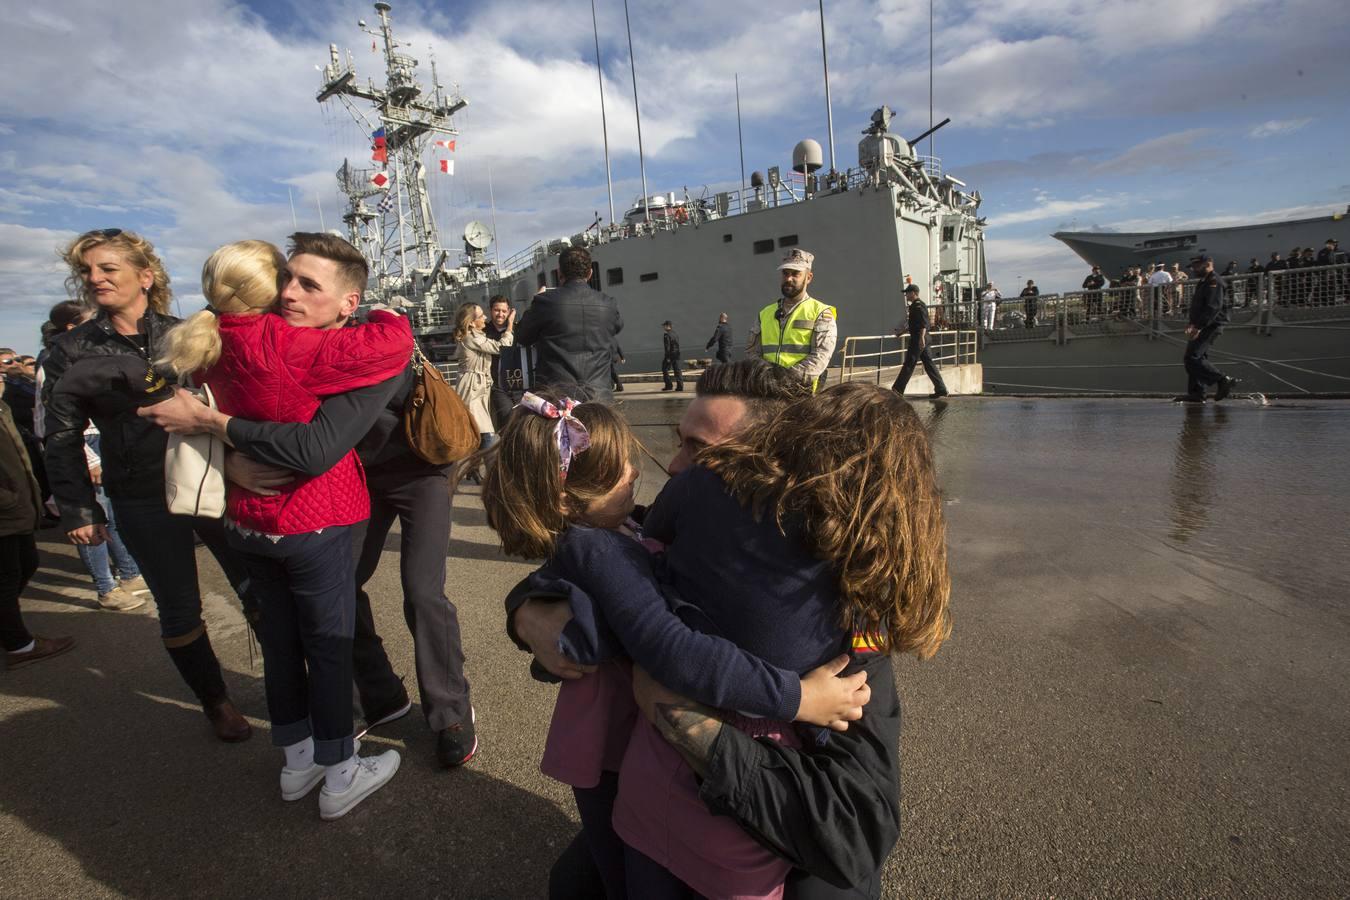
895	215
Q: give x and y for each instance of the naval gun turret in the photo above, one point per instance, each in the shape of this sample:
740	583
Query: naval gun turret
881	153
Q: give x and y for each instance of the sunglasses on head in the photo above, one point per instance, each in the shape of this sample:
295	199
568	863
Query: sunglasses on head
102	232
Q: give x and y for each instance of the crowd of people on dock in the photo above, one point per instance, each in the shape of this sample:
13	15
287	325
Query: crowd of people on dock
727	716
1125	296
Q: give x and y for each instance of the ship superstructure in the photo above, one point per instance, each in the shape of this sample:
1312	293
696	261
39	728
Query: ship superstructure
389	214
894	217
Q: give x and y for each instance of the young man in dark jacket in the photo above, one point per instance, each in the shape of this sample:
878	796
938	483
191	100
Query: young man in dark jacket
572	329
20	513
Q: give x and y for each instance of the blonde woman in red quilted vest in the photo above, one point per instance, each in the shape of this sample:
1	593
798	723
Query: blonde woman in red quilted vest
296	542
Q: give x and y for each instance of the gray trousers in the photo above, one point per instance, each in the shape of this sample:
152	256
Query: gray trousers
422	506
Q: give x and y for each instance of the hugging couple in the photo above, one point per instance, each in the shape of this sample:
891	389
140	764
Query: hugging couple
716	648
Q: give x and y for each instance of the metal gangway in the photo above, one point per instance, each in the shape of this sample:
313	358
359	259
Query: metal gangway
868	357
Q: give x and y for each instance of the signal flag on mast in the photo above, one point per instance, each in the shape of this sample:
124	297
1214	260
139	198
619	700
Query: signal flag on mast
379	151
448	166
381	180
449	145
386	204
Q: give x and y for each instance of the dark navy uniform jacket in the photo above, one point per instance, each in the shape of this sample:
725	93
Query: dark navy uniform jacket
1207	306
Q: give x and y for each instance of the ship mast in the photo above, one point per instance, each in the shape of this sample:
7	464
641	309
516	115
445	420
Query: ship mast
398	236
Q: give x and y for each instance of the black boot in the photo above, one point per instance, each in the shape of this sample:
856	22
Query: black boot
197	663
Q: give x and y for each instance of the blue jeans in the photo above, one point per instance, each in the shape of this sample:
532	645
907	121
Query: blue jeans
95	557
306	590
165	545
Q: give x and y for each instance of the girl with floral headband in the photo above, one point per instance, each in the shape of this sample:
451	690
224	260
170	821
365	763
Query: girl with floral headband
560	486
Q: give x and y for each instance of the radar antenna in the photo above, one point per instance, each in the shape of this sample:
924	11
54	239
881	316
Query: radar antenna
398	236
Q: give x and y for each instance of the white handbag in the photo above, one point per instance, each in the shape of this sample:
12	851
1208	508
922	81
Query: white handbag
194	471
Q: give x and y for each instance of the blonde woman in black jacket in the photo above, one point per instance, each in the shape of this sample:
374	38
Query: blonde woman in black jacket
118	274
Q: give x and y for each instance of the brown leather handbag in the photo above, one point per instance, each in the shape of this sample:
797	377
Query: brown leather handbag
436	421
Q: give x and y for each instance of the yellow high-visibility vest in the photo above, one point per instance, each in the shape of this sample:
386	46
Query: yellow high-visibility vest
788	343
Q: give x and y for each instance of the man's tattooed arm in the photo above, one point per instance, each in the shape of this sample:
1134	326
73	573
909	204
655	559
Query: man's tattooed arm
690	728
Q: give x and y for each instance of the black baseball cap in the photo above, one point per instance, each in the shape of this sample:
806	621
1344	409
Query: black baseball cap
1196	260
911	287
667	322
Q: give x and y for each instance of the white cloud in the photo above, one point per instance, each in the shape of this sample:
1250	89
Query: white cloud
1047	208
190	120
1054	266
1170	151
1276	127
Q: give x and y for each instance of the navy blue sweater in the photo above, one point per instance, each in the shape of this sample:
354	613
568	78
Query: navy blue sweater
618	607
765	606
755	585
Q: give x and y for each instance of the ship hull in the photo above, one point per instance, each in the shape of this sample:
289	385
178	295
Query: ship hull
1117	251
863	250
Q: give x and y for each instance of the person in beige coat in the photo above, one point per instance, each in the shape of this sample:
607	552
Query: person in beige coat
474	352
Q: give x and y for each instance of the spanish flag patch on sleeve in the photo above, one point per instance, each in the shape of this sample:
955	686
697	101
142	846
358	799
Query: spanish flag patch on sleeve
866	642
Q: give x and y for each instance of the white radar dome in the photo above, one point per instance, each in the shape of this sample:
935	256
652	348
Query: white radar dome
806	157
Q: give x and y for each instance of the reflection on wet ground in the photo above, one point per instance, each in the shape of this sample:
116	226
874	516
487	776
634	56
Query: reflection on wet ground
1262	489
1259	489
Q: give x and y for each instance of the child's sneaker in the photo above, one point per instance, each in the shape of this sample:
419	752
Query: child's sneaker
372	773
296	783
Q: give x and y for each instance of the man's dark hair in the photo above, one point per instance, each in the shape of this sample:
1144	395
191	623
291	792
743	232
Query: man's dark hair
764	387
574	264
500	298
352	267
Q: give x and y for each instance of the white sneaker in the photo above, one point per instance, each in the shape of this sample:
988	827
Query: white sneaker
296	783
372	772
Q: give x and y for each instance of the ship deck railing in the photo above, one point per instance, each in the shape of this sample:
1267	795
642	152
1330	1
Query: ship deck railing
1260	300
731	202
874	357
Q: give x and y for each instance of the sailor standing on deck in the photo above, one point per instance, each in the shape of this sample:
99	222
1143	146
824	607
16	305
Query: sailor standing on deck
1208	315
798	332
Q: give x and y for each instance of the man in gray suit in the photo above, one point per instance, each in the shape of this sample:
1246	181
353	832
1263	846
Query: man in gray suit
572	329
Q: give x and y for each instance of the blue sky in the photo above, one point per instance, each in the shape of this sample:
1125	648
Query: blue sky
189	120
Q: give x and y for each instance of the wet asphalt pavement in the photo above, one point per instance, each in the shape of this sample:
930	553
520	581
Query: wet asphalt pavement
1145	692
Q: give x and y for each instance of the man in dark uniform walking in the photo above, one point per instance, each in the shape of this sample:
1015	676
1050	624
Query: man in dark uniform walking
1208	315
722	339
917	351
670	358
614	360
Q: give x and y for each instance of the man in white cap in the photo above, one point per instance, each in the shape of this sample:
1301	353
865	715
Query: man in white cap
797	332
